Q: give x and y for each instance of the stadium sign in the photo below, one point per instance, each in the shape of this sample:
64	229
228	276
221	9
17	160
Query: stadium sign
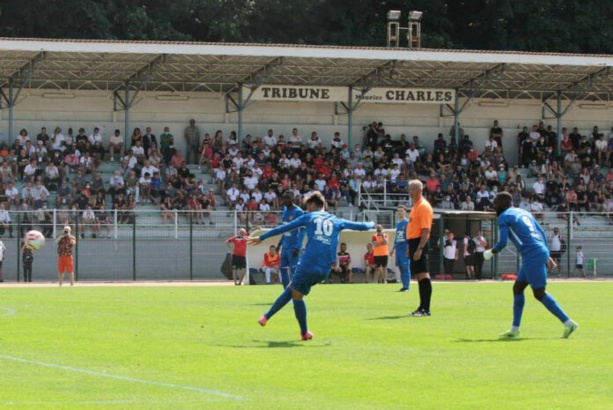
298	93
405	96
340	94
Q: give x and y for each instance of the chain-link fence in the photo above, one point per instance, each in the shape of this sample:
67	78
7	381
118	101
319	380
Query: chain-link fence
186	245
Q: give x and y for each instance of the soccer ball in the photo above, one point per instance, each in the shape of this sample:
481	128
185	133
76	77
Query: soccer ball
34	240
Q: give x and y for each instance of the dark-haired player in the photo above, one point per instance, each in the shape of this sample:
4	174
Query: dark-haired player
322	230
531	242
291	242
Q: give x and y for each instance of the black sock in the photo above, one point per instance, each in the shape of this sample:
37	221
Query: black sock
422	293
427	285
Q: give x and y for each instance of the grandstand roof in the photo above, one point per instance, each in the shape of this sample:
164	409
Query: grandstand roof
219	67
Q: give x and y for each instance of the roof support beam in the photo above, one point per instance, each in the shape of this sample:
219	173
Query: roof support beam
589	79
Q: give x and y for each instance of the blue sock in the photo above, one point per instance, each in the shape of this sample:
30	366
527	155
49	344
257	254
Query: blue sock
551	305
285	276
405	276
518	308
301	315
281	301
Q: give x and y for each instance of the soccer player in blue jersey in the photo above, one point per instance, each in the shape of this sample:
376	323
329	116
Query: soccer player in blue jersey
531	242
400	248
291	242
322	230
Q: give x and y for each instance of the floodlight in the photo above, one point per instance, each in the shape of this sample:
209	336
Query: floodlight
415	15
393	15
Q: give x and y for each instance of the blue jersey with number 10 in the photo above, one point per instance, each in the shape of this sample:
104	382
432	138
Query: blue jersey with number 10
322	230
523	230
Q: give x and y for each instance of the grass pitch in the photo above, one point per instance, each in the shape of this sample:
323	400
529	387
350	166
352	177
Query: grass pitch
200	348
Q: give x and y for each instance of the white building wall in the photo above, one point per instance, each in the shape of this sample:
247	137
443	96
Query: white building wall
91	108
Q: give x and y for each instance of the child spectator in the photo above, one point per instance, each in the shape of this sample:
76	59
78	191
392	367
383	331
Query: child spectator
27	258
579	262
369	262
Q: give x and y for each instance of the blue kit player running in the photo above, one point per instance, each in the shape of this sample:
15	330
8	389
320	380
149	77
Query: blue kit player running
322	230
291	242
531	242
400	248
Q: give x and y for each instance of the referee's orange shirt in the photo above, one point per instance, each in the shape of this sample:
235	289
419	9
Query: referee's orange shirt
420	218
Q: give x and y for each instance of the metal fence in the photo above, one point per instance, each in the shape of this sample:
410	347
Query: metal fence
184	245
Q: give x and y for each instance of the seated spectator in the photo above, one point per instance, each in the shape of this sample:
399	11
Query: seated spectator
536	207
88	220
467	204
270	267
539	189
342	267
5	220
12	195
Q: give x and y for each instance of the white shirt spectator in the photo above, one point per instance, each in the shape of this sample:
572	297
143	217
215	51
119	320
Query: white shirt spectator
238	161
412	154
465	242
270	140
556	243
360	173
144	181
478	243
524	205
250	182
449	251
150	169
264	207
601	145
233	194
314	143
52	171
12	193
321	183
368	185
270	197
87	162
57	144
398	161
536	207
40	192
296	140
483	194
257	196
116	181
535	136
337	143
579	257
138	151
220	174
233	151
491	175
257	172
95	139
492	144
284	163
4	216
539	187
22	139
467	206
394	172
30	170
89	215
380	171
239	207
295	163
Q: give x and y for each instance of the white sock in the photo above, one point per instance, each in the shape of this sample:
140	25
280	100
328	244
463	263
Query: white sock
515	328
568	322
267	273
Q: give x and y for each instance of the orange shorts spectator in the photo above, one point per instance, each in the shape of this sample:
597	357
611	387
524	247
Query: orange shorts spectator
64	264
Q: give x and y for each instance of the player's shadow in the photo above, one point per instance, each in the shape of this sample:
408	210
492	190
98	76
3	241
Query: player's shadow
390	317
519	339
272	344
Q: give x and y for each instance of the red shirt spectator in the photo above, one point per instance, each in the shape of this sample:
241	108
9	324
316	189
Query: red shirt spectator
334	183
472	155
253	205
268	171
431	183
240	245
325	171
369	258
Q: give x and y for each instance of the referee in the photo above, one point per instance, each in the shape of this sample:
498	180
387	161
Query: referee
418	233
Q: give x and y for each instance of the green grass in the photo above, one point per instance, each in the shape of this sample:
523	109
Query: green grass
367	353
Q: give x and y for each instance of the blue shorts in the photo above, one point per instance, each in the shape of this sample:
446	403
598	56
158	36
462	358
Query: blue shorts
533	269
303	281
288	260
401	258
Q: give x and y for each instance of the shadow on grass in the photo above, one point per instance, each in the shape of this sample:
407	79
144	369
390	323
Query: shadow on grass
272	344
519	339
394	317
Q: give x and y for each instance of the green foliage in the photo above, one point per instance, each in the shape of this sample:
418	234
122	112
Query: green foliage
531	25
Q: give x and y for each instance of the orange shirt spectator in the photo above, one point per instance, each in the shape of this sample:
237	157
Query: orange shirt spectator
271	260
432	183
381	248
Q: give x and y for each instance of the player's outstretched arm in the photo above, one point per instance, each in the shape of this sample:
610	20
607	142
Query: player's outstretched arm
254	240
295	224
357	226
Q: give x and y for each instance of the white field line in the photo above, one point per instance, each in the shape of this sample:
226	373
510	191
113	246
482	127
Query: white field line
7	311
124	378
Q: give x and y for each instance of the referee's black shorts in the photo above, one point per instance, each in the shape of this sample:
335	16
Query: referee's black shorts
420	266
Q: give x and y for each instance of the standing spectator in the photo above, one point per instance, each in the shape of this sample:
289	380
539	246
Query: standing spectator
95	139
579	262
450	253
116	145
481	245
238	244
497	133
64	250
343	266
167	142
469	256
149	142
27	258
5	220
381	251
271	264
192	141
369	263
2	251
556	247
